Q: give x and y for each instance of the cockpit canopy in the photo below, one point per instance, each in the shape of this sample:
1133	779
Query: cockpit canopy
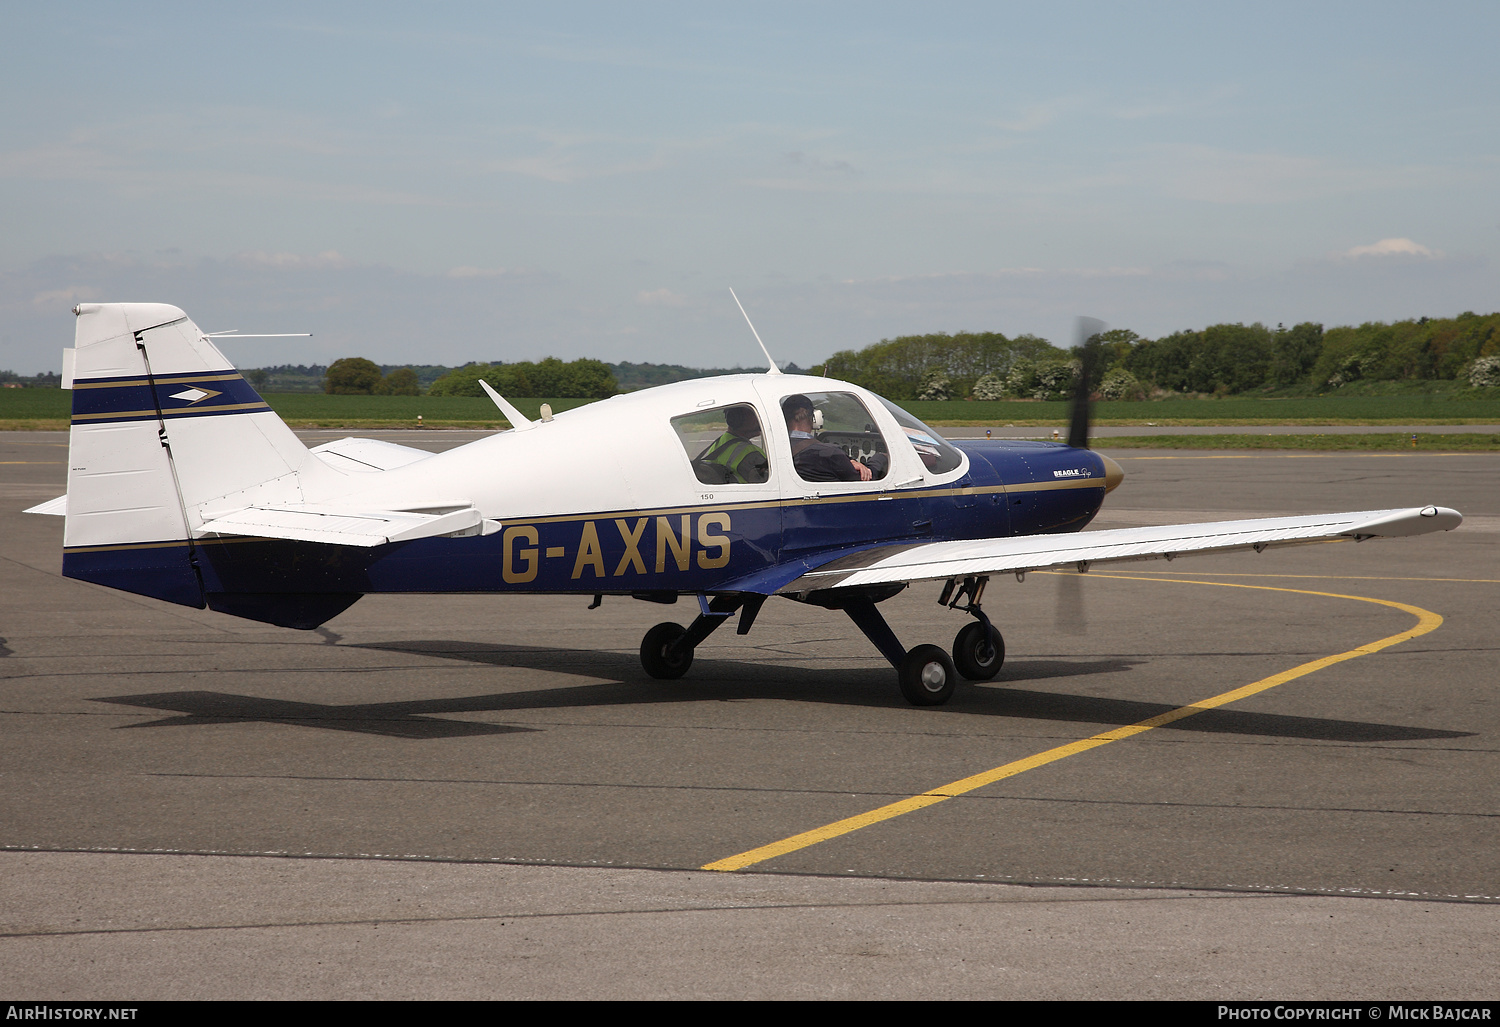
832	435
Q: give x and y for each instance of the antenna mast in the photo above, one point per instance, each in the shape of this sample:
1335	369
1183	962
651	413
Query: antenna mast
773	368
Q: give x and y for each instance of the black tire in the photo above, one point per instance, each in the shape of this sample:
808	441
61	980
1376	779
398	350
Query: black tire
978	654
927	676
654	656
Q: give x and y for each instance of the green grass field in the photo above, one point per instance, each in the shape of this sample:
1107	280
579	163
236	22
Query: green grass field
37	409
309	410
1314	410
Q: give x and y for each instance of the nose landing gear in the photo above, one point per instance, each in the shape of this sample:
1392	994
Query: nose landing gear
978	649
926	674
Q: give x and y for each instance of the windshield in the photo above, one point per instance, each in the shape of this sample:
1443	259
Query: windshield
937	455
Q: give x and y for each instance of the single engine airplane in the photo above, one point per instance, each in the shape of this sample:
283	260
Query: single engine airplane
184	485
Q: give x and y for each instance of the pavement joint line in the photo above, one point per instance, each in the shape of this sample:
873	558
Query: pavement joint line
1225	891
724	907
831	791
747	907
1427	621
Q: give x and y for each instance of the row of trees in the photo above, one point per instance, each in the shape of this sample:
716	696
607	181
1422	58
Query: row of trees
49	380
628	377
909	366
586	379
356	376
1221	359
582	379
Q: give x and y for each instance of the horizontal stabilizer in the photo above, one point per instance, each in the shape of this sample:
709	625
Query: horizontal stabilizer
353	454
348	527
56	507
959	559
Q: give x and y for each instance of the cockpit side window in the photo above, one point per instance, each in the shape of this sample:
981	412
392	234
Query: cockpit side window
725	445
834	438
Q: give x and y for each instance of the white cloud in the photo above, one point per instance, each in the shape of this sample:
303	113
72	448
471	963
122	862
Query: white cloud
1040	115
660	298
1390	248
1213	175
328	258
65	297
479	272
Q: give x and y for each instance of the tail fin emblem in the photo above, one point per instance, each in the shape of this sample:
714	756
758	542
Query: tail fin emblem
194	395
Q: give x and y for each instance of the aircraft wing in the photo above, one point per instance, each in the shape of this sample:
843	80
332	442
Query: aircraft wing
348	527
959	559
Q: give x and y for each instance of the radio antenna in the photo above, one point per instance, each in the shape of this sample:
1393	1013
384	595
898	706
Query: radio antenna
235	334
773	368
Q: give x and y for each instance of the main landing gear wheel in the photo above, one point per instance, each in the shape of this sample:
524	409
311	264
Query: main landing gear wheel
656	659
978	651
927	676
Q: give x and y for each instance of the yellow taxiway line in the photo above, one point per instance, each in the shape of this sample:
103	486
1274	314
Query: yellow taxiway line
1426	621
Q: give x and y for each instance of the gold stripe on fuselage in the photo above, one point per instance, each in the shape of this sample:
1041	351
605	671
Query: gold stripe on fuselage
1043	486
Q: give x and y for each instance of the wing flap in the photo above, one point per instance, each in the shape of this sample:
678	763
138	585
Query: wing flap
958	559
346	527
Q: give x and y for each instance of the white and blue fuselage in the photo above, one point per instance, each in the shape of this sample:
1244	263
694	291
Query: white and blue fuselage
601	499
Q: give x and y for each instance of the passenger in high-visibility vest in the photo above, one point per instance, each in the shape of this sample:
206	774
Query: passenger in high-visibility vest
741	459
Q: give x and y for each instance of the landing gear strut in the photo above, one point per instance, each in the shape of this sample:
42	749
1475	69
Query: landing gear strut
667	649
925	673
978	649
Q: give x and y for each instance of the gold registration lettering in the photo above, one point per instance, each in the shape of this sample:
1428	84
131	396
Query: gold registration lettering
508	570
589	553
632	540
708	540
680	545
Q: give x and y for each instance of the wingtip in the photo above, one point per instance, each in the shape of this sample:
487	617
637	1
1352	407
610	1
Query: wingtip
1445	518
1400	523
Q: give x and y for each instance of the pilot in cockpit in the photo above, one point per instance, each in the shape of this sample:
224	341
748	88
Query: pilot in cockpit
815	460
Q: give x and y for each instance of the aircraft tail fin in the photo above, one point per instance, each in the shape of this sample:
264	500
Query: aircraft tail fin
163	430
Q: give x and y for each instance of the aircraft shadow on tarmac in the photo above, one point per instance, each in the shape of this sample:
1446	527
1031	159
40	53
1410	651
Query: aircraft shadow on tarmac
397	720
727	680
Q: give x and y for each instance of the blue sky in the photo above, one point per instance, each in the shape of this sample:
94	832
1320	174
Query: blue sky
448	182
